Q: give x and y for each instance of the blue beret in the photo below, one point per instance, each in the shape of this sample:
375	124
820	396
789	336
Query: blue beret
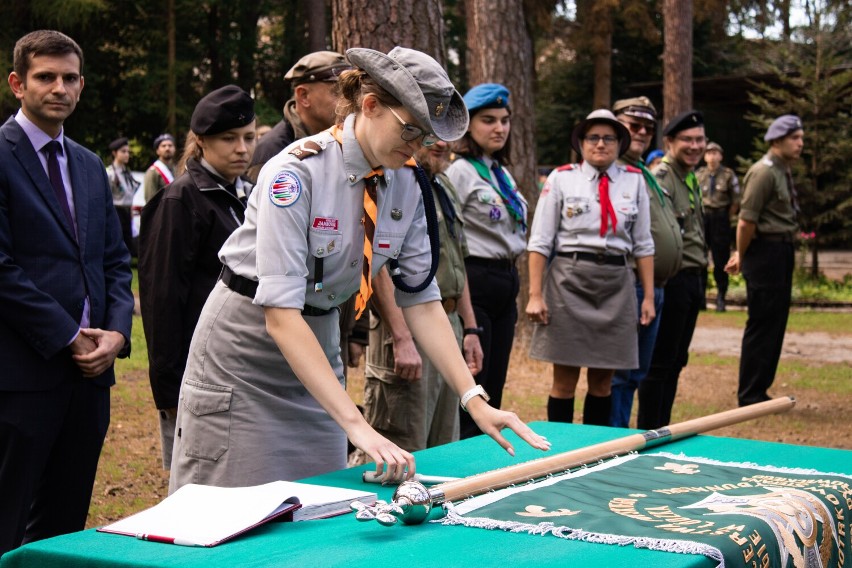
486	95
225	108
683	121
653	155
782	126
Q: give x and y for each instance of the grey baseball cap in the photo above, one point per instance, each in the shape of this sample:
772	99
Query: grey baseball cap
420	84
601	116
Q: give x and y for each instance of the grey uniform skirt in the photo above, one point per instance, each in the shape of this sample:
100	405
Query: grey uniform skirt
244	418
593	318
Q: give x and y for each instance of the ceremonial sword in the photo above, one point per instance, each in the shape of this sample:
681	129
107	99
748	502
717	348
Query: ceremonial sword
413	501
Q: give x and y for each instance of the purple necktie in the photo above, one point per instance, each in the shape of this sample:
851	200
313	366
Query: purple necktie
55	175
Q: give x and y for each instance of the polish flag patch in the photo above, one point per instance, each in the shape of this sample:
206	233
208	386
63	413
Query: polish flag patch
384	243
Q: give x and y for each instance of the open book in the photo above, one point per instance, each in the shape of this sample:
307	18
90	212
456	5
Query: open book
202	515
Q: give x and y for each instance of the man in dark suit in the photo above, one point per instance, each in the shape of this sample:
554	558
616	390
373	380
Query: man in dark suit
65	300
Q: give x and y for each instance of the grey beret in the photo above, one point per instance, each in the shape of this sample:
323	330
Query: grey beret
601	116
782	126
420	84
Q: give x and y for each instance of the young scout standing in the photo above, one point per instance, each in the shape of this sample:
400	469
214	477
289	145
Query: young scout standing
765	251
684	293
720	191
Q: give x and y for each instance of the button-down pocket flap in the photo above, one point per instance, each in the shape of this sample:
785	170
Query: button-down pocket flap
203	398
325	243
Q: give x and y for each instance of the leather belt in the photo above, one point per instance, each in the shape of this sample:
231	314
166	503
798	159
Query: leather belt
450	304
597	258
498	263
247	287
775	237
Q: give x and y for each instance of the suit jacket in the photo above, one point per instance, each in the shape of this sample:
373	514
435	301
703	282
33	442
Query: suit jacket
46	274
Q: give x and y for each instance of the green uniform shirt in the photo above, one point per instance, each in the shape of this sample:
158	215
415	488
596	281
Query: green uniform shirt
665	231
690	213
451	274
766	197
725	191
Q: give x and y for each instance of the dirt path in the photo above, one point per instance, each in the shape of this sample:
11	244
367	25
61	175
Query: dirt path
816	346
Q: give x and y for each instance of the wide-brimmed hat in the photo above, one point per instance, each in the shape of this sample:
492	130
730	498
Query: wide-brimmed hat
420	84
601	116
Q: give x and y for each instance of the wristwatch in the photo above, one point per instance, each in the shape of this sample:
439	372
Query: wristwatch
473	331
475	391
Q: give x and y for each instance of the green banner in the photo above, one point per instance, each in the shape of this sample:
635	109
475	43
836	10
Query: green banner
738	514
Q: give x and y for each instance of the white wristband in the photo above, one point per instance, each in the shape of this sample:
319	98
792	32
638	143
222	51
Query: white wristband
475	391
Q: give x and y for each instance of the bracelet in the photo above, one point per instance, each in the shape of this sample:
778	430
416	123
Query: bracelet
475	391
473	331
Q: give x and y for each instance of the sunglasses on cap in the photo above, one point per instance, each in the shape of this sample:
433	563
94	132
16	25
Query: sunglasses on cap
410	132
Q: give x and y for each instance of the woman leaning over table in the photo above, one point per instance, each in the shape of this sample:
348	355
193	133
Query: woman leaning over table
263	396
593	215
495	225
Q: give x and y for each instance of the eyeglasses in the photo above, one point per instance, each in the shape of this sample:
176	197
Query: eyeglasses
594	139
636	127
411	133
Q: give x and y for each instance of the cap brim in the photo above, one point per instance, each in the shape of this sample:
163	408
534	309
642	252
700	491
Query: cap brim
399	82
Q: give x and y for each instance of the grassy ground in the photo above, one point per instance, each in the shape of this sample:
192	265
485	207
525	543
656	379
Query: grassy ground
130	476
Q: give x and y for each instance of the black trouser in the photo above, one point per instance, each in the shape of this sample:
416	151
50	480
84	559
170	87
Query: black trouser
717	232
494	289
768	270
684	295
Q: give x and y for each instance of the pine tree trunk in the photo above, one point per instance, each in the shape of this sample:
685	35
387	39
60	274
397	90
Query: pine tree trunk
171	81
384	24
500	50
317	27
677	58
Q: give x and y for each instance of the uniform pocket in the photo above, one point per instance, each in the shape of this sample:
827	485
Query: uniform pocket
206	425
323	244
387	405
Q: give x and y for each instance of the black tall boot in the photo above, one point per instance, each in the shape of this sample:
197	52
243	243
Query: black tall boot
560	409
596	410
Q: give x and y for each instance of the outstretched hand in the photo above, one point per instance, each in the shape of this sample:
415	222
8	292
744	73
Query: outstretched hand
492	421
396	463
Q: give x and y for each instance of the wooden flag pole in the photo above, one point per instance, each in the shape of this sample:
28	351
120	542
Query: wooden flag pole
412	501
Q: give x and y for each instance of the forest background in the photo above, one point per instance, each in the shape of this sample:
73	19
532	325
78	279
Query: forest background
742	62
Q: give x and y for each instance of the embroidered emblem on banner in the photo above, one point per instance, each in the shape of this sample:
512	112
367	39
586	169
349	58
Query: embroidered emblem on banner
325	223
285	189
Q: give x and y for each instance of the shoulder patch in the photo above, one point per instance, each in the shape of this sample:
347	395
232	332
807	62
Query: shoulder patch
766	161
566	167
633	169
306	149
285	189
661	171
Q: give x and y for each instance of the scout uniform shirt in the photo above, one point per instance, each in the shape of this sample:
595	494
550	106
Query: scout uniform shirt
490	230
767	197
690	212
665	231
725	191
308	204
451	272
568	214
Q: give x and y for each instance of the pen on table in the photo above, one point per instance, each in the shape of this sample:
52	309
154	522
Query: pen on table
165	539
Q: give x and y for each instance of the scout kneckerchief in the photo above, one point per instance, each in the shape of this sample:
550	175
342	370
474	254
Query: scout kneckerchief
740	515
651	180
607	209
371	182
504	188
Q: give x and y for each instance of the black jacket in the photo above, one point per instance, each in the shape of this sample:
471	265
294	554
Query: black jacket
183	228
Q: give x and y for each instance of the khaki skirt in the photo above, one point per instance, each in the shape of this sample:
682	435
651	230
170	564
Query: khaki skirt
593	321
244	418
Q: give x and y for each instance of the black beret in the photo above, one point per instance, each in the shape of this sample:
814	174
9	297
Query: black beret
162	138
683	121
223	109
118	143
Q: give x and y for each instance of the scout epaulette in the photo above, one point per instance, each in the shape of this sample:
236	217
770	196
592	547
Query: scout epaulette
306	149
633	169
566	167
